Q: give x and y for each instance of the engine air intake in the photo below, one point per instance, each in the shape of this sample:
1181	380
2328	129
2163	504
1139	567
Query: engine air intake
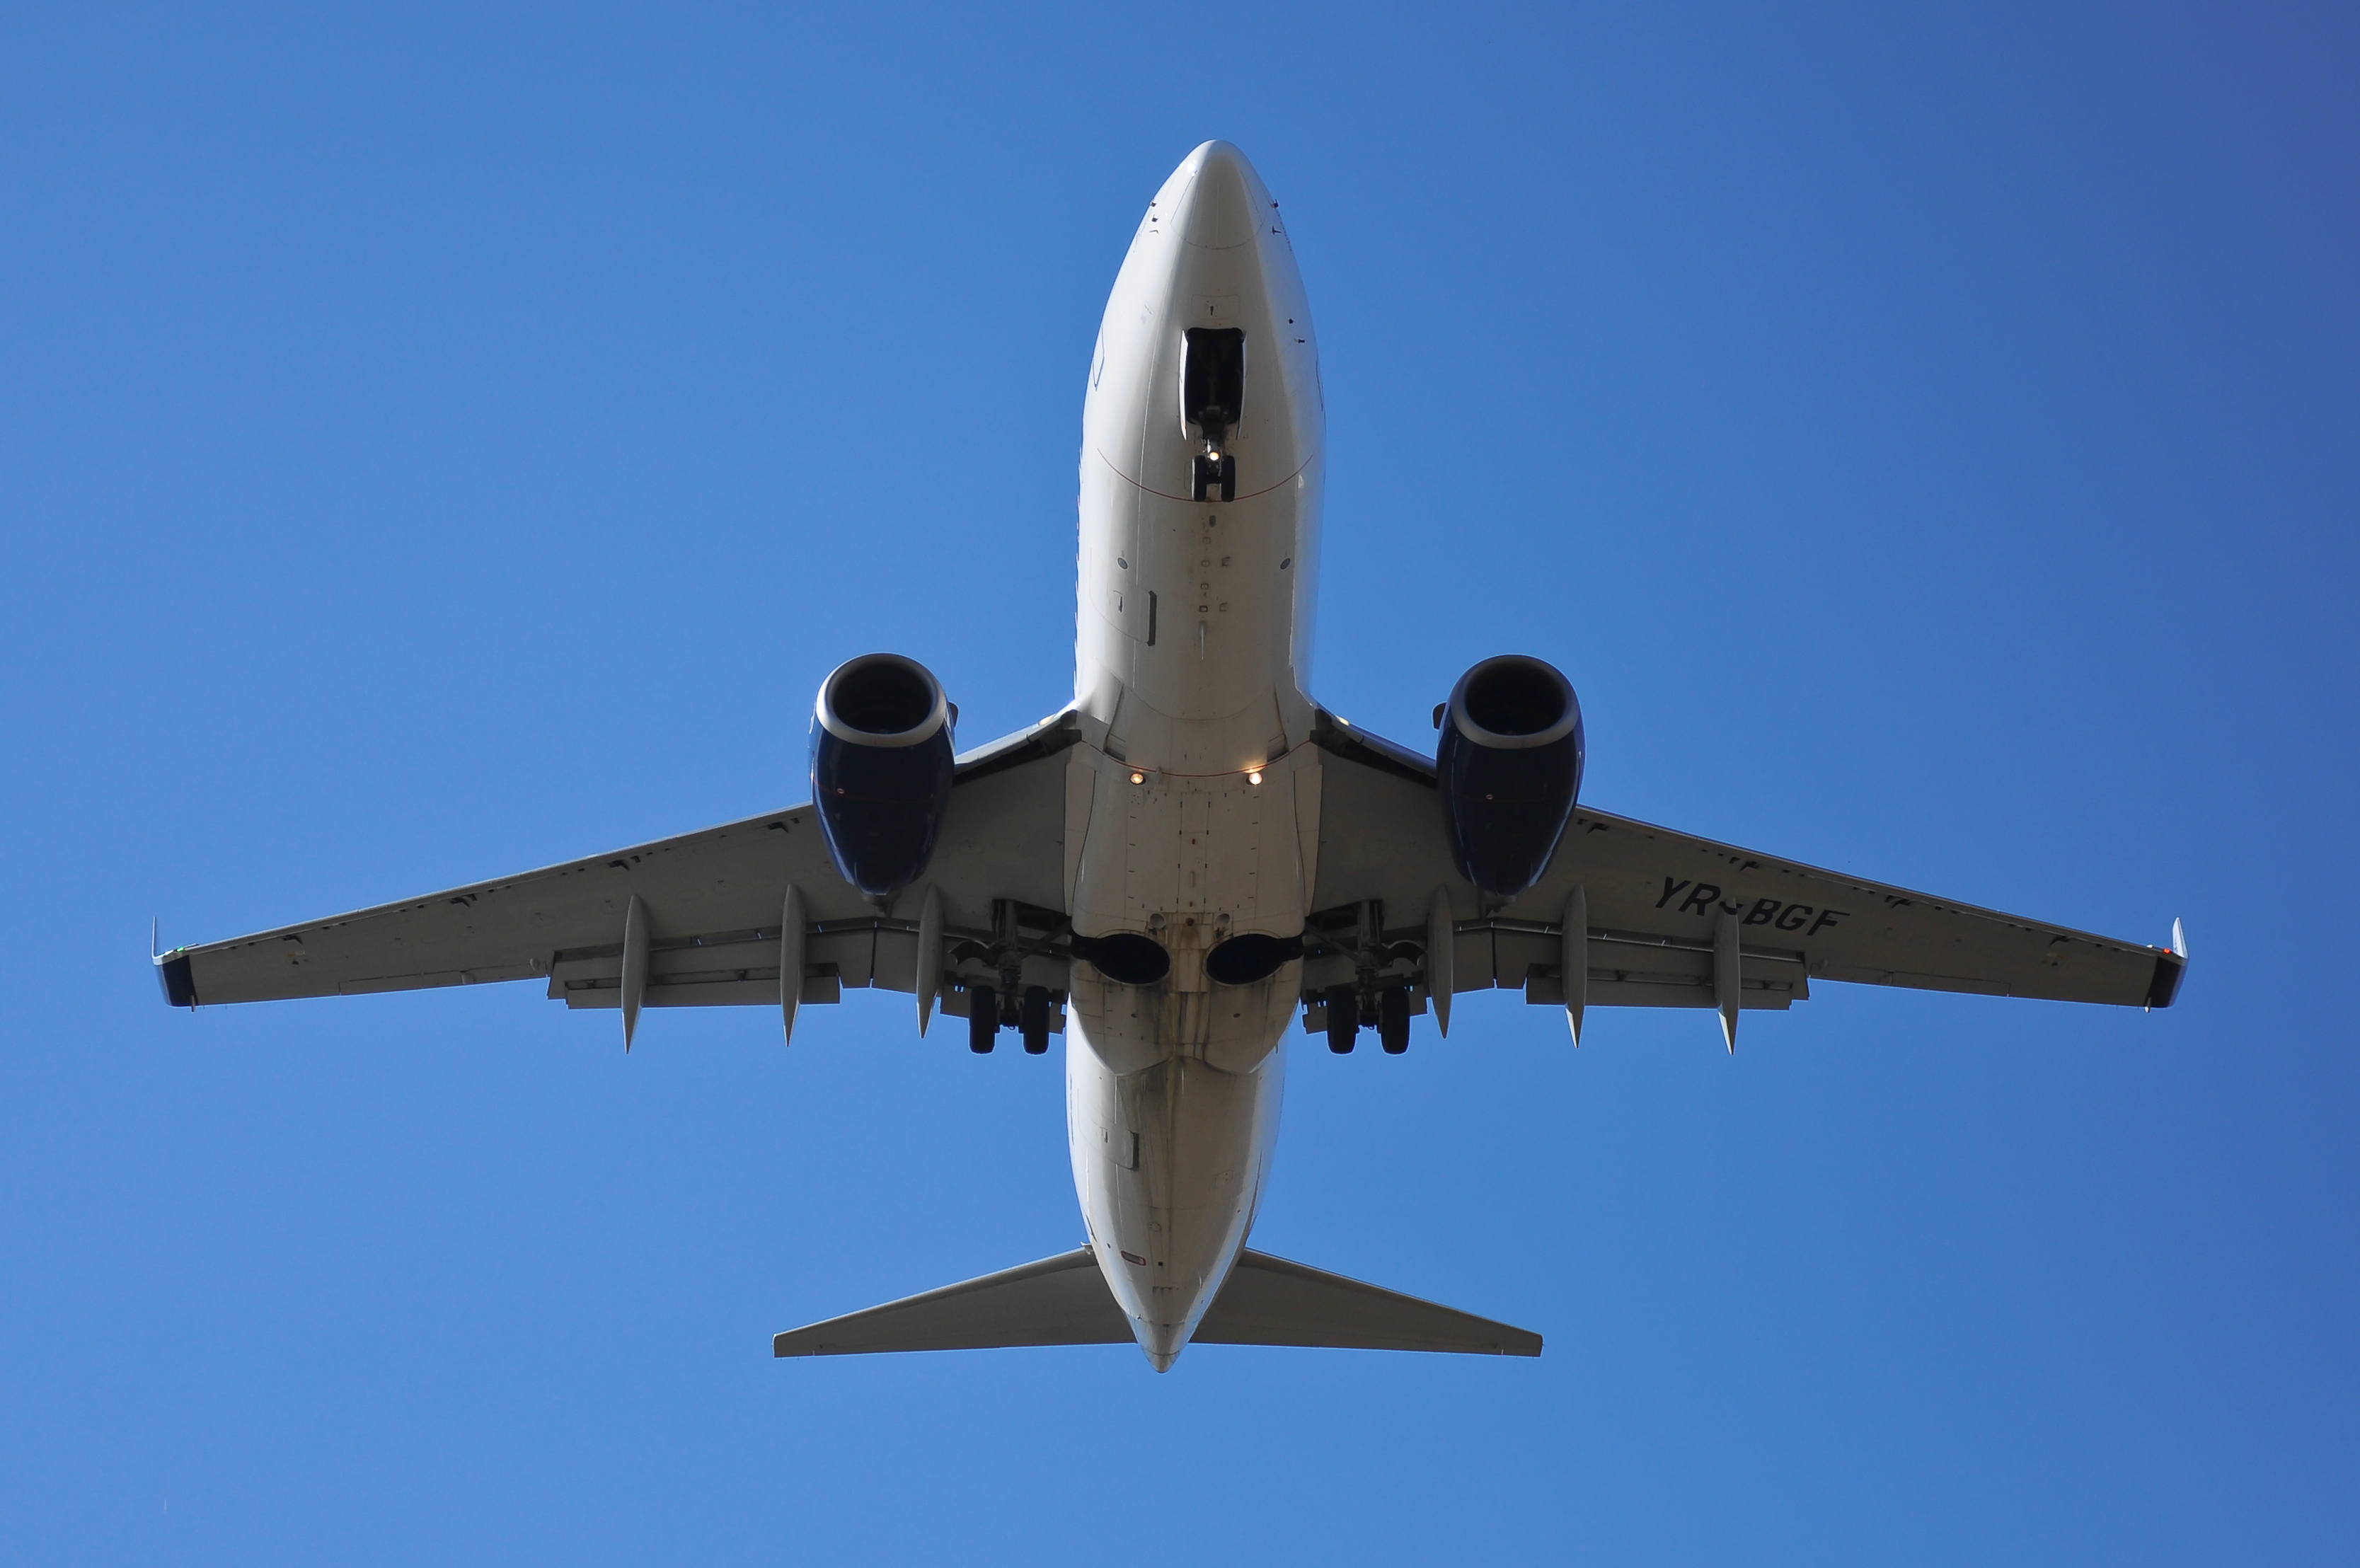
884	696
1510	769
1515	697
880	770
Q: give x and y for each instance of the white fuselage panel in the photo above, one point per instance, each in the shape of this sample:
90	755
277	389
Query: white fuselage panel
1199	795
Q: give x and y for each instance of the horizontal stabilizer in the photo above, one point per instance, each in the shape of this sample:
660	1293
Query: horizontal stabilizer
1269	1301
1058	1300
1062	1300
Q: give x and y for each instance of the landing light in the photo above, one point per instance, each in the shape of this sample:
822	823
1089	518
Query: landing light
1139	778
1254	776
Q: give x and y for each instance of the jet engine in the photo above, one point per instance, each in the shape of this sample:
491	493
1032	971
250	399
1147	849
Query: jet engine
1510	767
880	770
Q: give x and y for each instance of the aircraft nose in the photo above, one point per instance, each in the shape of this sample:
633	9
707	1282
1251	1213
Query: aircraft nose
1221	199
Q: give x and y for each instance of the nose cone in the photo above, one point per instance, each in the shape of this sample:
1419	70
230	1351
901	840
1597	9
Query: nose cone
1222	207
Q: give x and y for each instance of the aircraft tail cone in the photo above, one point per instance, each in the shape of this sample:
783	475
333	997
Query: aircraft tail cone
1162	1343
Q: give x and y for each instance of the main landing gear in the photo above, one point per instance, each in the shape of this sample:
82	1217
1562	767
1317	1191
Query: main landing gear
1348	1011
985	1018
1343	1020
982	1020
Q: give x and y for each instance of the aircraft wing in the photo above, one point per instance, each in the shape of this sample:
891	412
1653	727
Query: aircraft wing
1656	901
714	899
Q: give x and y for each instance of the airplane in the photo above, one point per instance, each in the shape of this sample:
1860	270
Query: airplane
1191	853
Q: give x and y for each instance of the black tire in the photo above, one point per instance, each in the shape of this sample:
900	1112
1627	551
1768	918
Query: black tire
982	1020
1343	1020
1392	1019
1035	1020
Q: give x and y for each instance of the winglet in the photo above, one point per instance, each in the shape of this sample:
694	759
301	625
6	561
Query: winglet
172	973
2170	967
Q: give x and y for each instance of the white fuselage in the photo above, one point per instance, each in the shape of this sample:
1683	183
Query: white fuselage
1192	805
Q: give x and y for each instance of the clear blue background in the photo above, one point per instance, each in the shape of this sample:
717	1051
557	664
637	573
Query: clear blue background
436	446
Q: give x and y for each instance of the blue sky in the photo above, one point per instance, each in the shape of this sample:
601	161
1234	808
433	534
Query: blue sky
436	445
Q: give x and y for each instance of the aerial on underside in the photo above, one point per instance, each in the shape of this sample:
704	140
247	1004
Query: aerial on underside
1184	858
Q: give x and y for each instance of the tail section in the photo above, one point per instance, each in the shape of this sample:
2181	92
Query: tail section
1058	1300
1062	1300
1269	1301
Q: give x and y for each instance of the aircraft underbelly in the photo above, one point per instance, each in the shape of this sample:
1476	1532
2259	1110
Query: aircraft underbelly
1169	1161
1195	791
1173	1088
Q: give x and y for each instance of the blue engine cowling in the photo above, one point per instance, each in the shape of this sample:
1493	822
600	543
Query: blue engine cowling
880	770
1510	768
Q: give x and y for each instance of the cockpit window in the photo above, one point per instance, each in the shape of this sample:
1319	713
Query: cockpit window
1213	384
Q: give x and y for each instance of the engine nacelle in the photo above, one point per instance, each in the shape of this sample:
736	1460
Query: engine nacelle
880	770
1510	767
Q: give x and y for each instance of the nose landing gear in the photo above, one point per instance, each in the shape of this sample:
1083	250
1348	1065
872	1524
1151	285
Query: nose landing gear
1213	476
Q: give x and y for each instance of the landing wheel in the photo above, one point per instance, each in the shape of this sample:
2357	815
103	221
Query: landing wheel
982	1020
1343	1020
1393	1020
1034	1019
